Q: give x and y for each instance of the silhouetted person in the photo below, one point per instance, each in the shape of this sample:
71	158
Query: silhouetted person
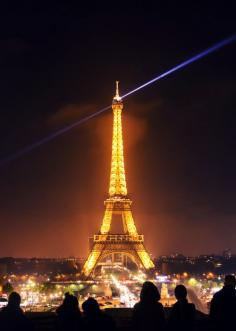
68	314
12	317
148	313
95	319
223	306
182	314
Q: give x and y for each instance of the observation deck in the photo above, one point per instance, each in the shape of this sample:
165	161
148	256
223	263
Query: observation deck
121	238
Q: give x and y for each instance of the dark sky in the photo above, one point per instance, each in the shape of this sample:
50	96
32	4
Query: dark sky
58	63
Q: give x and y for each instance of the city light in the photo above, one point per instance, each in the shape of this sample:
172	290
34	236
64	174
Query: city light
39	295
126	296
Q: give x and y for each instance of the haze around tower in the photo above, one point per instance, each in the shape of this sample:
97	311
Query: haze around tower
59	64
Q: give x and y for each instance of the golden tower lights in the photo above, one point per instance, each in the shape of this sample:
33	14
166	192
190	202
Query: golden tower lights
130	243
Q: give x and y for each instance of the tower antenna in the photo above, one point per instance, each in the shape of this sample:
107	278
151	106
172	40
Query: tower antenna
117	96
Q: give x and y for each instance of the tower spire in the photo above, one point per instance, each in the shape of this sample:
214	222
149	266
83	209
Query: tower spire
117	96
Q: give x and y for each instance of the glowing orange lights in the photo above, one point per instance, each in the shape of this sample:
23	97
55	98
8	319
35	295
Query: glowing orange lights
130	243
117	177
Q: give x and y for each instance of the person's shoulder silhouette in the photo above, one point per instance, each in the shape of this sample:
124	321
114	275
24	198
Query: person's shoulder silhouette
12	316
148	311
95	319
223	304
182	314
68	314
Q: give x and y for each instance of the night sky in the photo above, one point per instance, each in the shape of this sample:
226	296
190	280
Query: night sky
58	63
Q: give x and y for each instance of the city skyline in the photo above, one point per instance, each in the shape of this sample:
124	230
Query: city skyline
178	135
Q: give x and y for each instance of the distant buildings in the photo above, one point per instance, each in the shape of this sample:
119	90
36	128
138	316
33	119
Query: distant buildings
167	264
177	263
19	266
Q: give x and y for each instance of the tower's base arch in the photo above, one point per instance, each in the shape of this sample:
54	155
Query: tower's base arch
109	245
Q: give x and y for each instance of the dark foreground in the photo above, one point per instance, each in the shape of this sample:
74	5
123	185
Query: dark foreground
122	317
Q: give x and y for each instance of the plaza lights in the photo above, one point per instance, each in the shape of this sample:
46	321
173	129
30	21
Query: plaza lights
126	296
140	276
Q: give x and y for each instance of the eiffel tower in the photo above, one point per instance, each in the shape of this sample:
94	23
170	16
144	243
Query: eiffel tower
129	243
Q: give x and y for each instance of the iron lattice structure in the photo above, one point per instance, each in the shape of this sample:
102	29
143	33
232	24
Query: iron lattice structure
129	243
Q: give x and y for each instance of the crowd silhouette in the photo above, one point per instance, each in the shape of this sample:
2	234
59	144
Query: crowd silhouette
12	317
223	306
147	315
182	314
95	319
68	314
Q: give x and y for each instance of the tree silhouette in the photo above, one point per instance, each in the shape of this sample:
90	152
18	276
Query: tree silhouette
7	288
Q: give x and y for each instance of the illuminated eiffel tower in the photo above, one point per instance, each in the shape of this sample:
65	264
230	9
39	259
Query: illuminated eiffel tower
129	243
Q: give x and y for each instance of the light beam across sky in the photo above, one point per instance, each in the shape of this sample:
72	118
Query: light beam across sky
67	128
184	64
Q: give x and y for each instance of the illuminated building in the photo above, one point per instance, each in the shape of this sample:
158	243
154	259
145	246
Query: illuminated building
129	243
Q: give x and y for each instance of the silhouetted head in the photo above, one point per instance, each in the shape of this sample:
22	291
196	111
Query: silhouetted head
71	302
66	298
67	294
91	307
14	299
149	292
230	280
180	292
74	302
